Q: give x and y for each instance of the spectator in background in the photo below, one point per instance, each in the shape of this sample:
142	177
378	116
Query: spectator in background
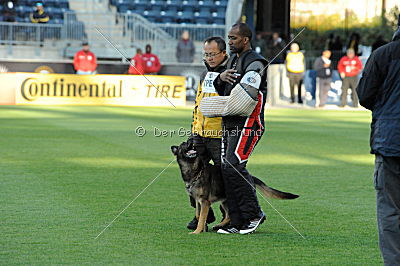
85	61
185	49
39	15
354	43
277	67
378	43
349	67
337	51
9	10
295	71
259	44
323	67
329	42
151	63
138	64
9	13
274	47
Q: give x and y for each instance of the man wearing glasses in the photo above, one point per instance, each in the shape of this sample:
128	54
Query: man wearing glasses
206	132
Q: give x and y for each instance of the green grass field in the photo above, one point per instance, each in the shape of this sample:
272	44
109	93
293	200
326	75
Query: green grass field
66	172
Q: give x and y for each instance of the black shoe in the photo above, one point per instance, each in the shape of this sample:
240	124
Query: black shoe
192	225
229	229
252	225
210	216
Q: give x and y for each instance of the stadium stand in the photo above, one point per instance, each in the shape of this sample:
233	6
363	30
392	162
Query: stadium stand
129	23
176	11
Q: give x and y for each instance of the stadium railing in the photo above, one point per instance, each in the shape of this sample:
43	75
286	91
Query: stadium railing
30	34
126	30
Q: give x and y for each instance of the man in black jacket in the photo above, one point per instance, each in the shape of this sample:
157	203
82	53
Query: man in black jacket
9	14
324	73
379	91
246	70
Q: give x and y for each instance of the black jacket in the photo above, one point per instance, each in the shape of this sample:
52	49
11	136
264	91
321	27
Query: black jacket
9	7
224	89
322	72
379	91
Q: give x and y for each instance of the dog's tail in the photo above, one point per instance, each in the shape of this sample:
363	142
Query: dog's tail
271	192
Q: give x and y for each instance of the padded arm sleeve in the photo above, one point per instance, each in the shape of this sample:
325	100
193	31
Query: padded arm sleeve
238	103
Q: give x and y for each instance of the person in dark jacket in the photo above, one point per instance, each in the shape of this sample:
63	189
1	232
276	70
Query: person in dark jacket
185	49
379	91
9	10
9	13
275	46
240	133
41	17
324	73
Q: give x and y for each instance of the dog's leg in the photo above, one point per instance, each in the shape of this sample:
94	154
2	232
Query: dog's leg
201	225
198	207
226	219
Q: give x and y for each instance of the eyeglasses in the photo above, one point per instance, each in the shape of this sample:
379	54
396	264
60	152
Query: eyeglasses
211	55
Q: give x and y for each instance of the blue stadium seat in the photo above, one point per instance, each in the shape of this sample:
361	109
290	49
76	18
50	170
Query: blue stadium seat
175	5
190	2
201	20
139	6
219	21
221	10
208	3
174	2
151	13
157	8
188	9
185	17
204	12
157	2
57	15
56	21
168	20
63	4
170	13
122	7
221	3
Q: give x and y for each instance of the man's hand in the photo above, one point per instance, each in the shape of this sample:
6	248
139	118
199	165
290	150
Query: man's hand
342	75
229	76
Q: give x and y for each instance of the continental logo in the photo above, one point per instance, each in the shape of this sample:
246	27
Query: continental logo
32	89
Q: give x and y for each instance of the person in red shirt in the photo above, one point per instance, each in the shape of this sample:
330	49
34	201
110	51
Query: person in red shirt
349	67
85	61
151	62
137	61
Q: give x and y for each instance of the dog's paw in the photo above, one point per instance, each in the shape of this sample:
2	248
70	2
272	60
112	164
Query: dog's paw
195	233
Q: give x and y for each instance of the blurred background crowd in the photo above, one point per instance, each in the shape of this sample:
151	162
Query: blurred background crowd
322	66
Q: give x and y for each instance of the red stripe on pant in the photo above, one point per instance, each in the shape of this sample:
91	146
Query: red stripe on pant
248	132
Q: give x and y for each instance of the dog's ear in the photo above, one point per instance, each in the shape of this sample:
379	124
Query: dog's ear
174	150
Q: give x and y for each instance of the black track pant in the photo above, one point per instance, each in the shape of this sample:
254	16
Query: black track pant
237	145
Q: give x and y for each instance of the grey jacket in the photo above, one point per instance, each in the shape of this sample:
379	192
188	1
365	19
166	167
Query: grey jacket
185	51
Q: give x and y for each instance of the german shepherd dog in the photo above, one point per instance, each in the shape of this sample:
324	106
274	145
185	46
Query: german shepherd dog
204	183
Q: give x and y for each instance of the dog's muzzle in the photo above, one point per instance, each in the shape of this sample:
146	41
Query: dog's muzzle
191	154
